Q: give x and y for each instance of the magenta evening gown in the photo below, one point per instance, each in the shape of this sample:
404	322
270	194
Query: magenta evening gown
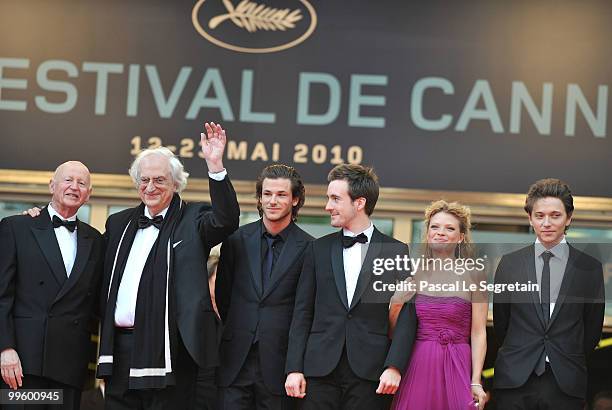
439	372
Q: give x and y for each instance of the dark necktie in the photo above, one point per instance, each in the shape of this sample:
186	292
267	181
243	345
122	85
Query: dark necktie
545	286
545	304
266	272
348	241
57	222
144	222
266	269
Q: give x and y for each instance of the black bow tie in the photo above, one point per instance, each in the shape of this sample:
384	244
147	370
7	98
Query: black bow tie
144	222
57	222
348	241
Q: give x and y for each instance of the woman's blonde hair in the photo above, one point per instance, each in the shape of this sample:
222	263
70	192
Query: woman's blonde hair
465	249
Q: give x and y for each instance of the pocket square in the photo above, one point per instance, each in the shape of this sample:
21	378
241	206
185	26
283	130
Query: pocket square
174	245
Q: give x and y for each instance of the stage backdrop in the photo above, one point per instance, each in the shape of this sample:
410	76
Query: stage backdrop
445	95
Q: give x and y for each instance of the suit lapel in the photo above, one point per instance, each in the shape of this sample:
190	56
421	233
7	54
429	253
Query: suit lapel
529	263
338	267
366	273
291	249
252	244
84	245
47	241
568	277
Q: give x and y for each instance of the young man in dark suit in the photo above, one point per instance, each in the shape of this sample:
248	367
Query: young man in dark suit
340	355
546	335
50	274
159	325
255	292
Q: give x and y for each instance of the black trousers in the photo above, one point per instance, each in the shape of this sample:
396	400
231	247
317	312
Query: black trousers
248	391
343	389
538	393
118	396
72	395
206	389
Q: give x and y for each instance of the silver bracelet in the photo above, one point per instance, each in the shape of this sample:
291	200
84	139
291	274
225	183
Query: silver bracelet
476	384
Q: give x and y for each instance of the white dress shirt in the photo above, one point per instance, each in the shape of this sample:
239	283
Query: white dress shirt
125	309
218	176
66	240
353	260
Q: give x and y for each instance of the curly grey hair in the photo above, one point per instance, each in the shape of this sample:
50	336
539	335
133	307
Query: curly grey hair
179	176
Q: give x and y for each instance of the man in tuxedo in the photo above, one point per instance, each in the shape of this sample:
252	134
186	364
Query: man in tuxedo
546	335
339	354
255	291
159	325
50	274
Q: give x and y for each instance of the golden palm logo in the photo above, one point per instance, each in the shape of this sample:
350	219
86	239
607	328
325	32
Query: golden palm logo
251	18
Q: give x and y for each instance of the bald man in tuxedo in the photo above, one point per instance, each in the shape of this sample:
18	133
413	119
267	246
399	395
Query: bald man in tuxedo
50	273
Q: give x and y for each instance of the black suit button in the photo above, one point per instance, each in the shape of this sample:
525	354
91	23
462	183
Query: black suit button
349	316
50	314
42	282
76	322
545	337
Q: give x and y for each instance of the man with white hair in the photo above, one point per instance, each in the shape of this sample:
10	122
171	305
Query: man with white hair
159	324
50	273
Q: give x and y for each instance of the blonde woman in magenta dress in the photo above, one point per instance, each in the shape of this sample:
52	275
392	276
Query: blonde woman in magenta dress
444	372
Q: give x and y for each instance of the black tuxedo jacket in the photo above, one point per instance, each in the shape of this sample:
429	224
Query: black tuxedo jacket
198	230
45	314
324	324
573	331
246	308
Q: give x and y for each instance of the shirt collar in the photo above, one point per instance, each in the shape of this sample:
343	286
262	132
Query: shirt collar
367	232
148	214
560	250
284	234
53	212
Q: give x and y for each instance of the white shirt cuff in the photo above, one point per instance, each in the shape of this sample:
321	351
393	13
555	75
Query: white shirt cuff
218	176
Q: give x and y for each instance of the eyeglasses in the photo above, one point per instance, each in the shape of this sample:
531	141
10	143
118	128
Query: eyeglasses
157	181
